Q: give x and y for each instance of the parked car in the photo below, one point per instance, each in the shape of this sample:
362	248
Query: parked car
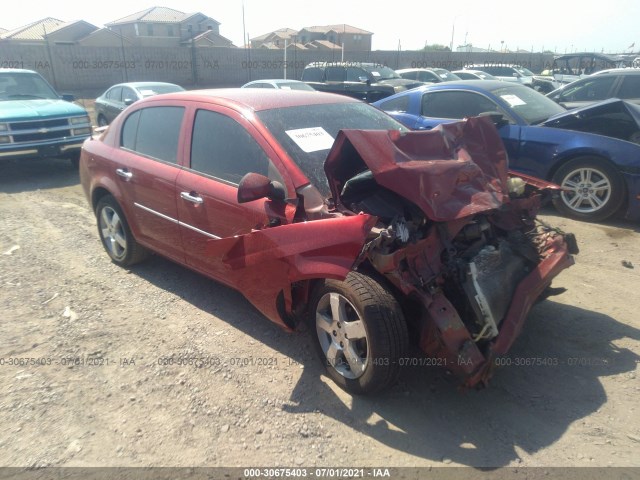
576	149
365	81
118	97
473	75
428	75
623	83
280	83
570	67
507	73
37	122
321	208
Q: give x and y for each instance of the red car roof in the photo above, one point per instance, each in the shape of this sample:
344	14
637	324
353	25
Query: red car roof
256	99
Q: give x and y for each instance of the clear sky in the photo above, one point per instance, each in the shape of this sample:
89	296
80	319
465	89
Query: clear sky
557	25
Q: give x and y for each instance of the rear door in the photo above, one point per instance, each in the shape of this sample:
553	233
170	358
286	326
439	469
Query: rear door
223	147
146	169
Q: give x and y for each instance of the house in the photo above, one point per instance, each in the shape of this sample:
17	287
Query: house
352	38
328	37
104	37
33	33
323	45
49	30
275	39
166	27
69	33
209	39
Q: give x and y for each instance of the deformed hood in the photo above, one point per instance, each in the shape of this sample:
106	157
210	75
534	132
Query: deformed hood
453	171
612	118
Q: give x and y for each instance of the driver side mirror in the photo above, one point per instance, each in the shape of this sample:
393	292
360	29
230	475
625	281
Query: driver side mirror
364	79
254	186
128	101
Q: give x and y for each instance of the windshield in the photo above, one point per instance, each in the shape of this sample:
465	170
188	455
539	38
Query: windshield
381	72
24	85
294	86
524	71
446	75
531	106
307	132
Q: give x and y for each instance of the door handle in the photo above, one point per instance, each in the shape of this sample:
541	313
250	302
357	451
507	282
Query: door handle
192	197
124	173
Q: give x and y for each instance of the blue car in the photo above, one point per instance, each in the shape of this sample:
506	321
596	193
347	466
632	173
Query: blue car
593	152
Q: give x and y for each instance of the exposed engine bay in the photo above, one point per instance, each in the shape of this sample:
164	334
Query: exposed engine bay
462	278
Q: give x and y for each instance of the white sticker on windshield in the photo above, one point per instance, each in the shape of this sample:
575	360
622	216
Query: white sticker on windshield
513	100
311	139
147	93
285	87
375	74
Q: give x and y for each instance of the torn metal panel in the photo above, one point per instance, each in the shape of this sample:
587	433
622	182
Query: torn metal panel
612	118
453	171
264	263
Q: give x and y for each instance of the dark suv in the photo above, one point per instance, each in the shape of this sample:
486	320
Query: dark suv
365	81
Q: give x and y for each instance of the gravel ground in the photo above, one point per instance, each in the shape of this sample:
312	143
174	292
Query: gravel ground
258	396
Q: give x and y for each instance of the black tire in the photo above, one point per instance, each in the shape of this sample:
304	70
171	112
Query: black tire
597	192
115	234
102	121
75	161
362	347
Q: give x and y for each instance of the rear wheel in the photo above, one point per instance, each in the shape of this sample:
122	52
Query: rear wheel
116	235
594	190
360	333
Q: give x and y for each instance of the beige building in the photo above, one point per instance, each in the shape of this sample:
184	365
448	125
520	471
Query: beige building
328	37
166	27
49	30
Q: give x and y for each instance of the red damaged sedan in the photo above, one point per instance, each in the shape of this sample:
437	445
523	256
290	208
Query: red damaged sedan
321	208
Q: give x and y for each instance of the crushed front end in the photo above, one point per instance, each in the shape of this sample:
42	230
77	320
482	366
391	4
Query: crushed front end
457	236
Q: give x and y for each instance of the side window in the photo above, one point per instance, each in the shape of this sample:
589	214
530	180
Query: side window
428	77
312	74
154	132
400	104
335	74
354	74
114	94
592	90
456	105
128	93
130	130
410	75
222	148
630	87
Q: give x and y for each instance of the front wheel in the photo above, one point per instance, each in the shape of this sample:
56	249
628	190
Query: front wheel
360	333
116	235
593	189
102	121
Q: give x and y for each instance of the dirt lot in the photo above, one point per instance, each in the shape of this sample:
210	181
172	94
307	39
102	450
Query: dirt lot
263	400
